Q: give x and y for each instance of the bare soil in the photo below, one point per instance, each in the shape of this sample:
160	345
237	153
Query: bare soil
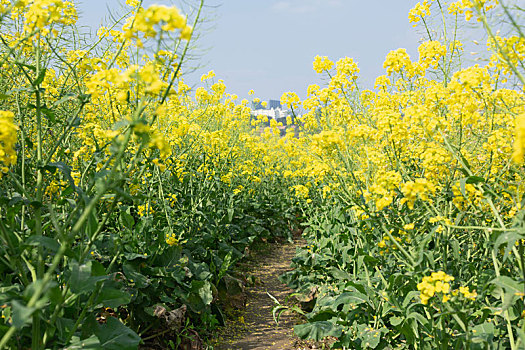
254	328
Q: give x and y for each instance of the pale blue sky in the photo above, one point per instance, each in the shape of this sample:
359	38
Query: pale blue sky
269	45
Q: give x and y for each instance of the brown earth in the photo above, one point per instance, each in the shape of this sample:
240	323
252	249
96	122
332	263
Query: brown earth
254	328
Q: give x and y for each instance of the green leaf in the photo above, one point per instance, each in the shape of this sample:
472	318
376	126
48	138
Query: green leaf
200	295
205	293
465	162
420	318
40	78
469	180
97	269
89	343
81	279
318	330
3	329
521	334
49	114
508	238
21	314
116	336
64	326
134	256
508	284
369	336
126	220
63	168
483	332
112	297
46	242
80	274
22	64
462	185
67	97
349	299
395	320
409	298
474	179
225	266
139	279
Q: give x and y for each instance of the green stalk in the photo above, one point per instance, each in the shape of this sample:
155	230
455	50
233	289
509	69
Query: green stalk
36	339
48	276
499	49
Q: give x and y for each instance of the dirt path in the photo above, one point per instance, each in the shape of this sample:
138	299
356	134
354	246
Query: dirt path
255	327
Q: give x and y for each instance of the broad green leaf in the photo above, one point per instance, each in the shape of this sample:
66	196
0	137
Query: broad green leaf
409	298
521	334
81	280
369	336
89	343
226	263
474	179
67	97
115	336
134	256
133	276
21	314
46	242
484	328
420	318
64	326
509	239
112	297
318	330
40	78
49	114
126	220
200	296
3	329
508	284
483	332
349	299
395	320
462	184
206	294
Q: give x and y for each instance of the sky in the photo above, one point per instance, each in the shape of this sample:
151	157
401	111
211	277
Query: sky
269	45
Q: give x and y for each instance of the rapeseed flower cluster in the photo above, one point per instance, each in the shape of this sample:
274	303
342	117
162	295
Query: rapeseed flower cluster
430	52
466	293
41	14
436	283
396	61
301	191
419	12
291	100
421	188
322	64
507	51
519	140
172	239
8	138
145	210
147	22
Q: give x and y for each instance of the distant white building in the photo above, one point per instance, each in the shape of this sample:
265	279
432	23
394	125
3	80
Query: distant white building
274	113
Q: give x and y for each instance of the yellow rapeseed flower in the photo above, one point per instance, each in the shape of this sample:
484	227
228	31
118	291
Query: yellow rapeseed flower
519	140
8	137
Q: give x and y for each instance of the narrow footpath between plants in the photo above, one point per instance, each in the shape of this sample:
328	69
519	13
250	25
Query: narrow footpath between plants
255	328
